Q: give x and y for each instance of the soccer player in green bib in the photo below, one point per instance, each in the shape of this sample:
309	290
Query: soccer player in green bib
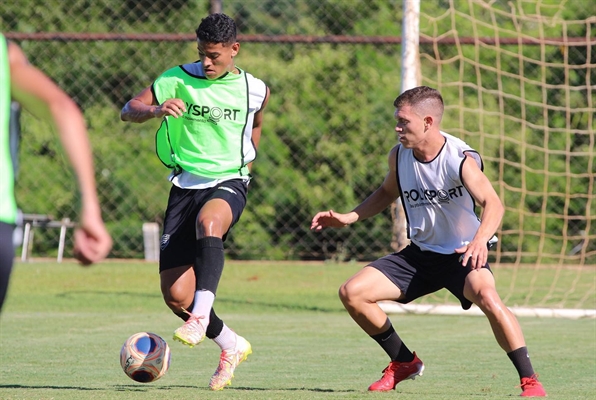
34	91
212	114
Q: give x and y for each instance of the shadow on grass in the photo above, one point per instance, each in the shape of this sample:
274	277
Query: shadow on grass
107	293
8	386
301	389
138	388
278	306
120	388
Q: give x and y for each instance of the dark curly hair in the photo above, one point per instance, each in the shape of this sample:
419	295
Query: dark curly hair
217	28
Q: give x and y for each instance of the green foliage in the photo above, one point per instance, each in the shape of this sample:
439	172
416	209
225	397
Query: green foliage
328	127
102	16
344	132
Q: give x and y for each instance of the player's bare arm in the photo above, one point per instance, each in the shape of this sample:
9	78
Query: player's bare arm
39	95
144	107
492	213
378	201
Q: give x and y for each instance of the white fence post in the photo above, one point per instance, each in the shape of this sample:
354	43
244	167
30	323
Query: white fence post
151	241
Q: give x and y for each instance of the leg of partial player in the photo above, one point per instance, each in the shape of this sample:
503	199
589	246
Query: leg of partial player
6	259
480	289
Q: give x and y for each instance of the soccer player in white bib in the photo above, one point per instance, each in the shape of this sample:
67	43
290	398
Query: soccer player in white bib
212	114
439	180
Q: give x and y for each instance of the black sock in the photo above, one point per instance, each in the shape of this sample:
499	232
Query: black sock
521	360
184	315
209	263
393	345
215	325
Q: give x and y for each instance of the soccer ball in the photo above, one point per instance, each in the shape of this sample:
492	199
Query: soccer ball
145	357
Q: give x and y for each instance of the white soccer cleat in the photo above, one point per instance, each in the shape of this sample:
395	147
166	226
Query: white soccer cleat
228	361
192	332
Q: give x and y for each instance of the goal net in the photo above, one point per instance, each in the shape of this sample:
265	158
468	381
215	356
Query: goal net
519	83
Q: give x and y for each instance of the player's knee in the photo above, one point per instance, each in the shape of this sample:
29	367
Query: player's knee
343	293
173	304
176	301
211	225
489	301
348	294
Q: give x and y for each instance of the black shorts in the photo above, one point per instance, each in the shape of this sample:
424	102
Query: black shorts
178	241
417	273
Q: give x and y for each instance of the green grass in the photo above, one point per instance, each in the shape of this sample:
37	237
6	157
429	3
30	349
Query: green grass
62	327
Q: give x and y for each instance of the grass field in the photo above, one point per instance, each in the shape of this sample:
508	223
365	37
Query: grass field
62	327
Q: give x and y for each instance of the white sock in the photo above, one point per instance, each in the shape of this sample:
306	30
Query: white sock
226	339
203	303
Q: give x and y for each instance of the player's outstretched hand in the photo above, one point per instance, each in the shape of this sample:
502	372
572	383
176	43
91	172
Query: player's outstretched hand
92	242
332	219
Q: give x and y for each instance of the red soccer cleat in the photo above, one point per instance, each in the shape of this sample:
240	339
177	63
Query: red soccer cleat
531	387
397	372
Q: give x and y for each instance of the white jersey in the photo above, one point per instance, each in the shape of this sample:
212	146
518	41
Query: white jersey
439	209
